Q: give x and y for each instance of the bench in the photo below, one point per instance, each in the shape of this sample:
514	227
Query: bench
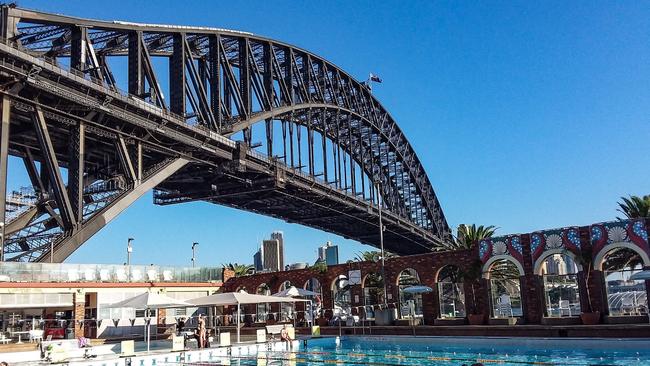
61	350
276	329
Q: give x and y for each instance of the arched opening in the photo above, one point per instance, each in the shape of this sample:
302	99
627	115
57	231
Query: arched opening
263	310
409	303
505	288
451	295
373	293
287	311
314	285
341	296
559	272
624	296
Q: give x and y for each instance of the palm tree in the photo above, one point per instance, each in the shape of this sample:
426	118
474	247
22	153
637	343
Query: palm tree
468	235
635	207
372	256
240	269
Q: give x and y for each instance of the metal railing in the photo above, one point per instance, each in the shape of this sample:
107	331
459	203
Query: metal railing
64	272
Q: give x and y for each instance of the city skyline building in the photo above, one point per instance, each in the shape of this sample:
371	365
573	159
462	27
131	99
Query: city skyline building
329	254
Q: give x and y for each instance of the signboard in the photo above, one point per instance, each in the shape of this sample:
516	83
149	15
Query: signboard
261	335
178	343
127	348
354	277
315	331
224	339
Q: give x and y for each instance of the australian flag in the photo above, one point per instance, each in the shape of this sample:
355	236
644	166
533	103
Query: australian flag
374	78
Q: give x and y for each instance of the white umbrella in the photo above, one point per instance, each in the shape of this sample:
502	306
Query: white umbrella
643	275
418	289
238	298
149	301
294	291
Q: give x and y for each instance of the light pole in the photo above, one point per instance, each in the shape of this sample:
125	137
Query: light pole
193	252
2	241
129	250
381	245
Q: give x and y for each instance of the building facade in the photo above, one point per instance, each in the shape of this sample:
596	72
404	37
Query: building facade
594	265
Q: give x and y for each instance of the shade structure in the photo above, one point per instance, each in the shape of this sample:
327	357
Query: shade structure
294	291
238	298
643	275
149	301
417	289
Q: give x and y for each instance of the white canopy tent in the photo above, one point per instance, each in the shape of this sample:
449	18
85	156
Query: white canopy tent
149	301
238	298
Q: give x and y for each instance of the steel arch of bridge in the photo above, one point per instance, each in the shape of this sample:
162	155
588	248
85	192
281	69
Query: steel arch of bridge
221	83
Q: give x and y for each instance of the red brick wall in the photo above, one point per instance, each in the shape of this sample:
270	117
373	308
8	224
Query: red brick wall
427	267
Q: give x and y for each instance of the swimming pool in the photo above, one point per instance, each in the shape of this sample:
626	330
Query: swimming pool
385	351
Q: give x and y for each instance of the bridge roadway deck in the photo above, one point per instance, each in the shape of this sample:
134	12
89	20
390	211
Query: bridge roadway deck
269	188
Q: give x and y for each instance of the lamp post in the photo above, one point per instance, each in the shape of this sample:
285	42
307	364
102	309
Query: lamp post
129	250
2	241
193	252
381	245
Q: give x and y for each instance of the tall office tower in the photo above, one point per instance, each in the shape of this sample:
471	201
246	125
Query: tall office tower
279	236
329	254
271	255
257	260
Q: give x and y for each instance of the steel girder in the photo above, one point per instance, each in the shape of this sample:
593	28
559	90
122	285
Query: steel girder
221	82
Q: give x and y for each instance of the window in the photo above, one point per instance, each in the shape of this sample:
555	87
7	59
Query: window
286	308
625	297
451	294
505	289
341	296
263	309
314	285
409	303
142	313
373	293
561	291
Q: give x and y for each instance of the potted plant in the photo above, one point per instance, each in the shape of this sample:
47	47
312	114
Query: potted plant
473	275
585	259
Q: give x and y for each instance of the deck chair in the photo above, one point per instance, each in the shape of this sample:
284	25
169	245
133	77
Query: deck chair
565	307
73	275
152	275
136	275
167	275
89	275
120	274
104	275
627	303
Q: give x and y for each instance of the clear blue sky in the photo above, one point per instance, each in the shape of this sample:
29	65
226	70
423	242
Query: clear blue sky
526	115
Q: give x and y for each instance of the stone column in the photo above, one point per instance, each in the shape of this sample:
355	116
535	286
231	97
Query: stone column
79	299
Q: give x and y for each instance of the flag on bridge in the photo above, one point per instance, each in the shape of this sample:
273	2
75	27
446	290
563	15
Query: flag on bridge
374	78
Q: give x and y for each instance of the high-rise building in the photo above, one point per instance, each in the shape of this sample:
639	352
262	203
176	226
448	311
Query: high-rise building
279	236
257	260
329	254
271	255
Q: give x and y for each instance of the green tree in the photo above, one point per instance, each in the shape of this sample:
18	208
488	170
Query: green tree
372	256
635	207
468	235
240	269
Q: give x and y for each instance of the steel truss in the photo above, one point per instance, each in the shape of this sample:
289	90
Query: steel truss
325	145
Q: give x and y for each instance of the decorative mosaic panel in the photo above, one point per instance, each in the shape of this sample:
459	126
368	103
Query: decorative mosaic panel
623	231
542	242
502	245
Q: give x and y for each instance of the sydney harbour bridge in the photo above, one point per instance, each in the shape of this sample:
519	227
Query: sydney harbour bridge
208	114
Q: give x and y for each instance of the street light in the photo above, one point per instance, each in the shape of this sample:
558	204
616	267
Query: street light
129	250
2	241
193	252
381	244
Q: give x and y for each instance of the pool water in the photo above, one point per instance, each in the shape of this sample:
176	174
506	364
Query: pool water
385	351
